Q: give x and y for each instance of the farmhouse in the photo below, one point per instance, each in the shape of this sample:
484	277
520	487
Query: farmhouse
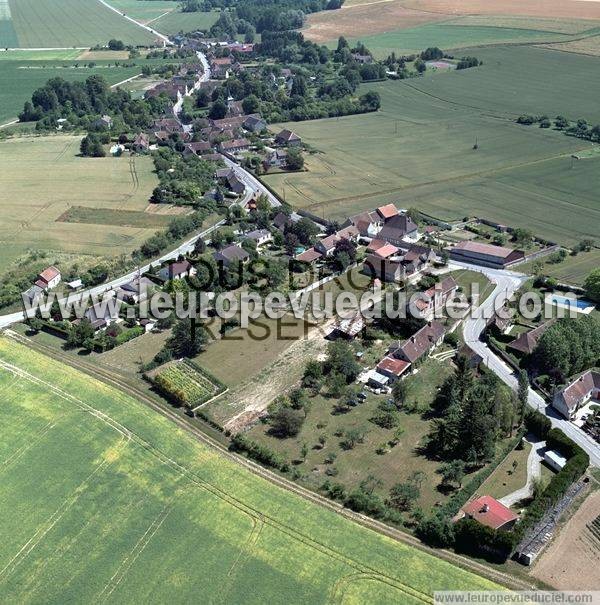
419	344
234	146
141	143
392	368
168	125
577	394
230	254
488	511
435	298
526	342
399	229
369	224
49	278
254	123
32	293
386	251
260	236
229	178
136	290
486	255
281	221
100	315
388	211
199	148
289	138
177	270
276	158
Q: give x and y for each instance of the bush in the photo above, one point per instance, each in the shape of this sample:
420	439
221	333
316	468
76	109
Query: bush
537	423
259	452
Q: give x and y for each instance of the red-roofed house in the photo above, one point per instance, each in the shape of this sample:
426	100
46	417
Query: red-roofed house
49	278
387	211
577	393
488	511
375	244
435	298
420	344
386	251
309	256
392	368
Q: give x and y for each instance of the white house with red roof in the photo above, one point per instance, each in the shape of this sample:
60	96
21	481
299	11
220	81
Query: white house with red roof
49	278
577	394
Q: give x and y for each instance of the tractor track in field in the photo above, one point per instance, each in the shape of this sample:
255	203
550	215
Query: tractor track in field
109	377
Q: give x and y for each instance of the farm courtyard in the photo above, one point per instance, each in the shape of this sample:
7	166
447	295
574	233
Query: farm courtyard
44	178
99	488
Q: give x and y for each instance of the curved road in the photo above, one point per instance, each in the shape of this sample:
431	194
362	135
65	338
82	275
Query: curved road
506	284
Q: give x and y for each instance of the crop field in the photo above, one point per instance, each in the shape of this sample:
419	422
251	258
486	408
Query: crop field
418	149
42	177
573	270
360	19
99	488
186	383
175	22
51	24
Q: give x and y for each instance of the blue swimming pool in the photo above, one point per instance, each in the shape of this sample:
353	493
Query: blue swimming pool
580	303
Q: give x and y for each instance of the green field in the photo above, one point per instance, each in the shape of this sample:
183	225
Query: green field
106	500
573	270
418	149
43	176
21	72
51	24
144	10
175	22
451	36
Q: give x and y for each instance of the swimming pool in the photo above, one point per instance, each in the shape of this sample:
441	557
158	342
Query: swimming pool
579	303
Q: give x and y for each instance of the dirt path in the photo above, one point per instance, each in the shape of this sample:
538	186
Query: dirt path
572	560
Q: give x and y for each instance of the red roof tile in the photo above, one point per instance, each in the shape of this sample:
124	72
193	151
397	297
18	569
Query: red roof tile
488	511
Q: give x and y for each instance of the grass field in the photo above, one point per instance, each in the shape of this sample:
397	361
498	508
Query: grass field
418	149
104	499
144	10
50	24
43	177
21	72
573	270
175	22
506	479
450	36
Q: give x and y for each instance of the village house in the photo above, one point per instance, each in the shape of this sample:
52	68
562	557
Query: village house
141	143
488	511
387	212
260	237
254	123
228	177
101	315
392	368
275	158
487	255
231	254
198	148
526	342
105	122
399	229
234	146
288	138
309	256
420	344
49	278
233	123
362	59
281	221
402	265
434	298
169	125
177	270
386	251
235	108
369	224
577	394
135	291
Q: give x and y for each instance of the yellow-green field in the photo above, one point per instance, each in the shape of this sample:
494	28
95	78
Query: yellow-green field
42	177
105	500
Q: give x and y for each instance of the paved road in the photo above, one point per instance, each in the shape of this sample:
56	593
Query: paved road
534	471
506	284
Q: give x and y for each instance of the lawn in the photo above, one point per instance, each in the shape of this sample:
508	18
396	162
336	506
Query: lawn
82	23
418	149
43	177
99	488
506	478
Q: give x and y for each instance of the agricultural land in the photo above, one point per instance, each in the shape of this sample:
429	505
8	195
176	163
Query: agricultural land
99	487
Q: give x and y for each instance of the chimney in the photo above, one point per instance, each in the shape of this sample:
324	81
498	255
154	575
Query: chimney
486	508
413	339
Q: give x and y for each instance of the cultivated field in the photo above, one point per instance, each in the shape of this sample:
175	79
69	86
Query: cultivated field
104	499
418	149
573	270
363	18
144	11
42	177
580	537
51	24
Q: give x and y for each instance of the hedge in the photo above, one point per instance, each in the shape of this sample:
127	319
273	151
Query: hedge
258	452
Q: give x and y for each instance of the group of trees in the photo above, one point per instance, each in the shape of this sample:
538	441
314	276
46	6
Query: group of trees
472	416
580	129
567	347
